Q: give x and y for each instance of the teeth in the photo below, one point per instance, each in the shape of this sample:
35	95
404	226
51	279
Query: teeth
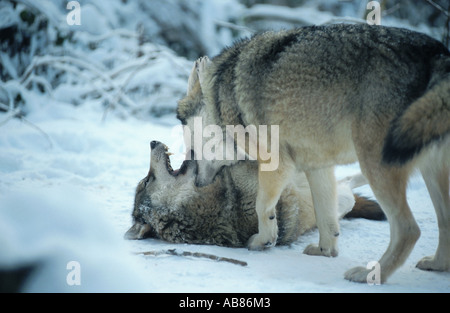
169	166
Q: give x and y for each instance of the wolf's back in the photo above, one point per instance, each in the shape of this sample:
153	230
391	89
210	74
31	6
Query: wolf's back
425	121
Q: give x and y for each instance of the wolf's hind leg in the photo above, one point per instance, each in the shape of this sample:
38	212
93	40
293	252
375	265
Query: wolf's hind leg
270	187
389	187
323	190
437	182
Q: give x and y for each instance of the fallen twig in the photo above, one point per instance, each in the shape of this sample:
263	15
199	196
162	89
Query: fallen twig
193	254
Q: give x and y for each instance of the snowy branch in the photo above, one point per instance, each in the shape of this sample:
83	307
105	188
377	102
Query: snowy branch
49	10
235	27
61	62
437	6
10	115
446	33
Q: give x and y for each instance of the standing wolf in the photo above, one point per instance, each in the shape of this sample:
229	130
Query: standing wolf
339	94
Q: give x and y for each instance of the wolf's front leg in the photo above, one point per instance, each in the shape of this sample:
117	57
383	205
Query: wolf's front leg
323	190
271	184
267	224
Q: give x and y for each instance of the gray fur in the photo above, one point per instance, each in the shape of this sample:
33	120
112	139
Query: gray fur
339	94
169	206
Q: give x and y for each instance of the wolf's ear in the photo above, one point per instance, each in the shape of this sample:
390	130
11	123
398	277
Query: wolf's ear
198	73
202	67
138	231
193	78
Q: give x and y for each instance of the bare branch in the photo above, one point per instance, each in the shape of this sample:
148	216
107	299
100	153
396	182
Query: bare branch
10	99
90	67
437	6
234	26
120	93
193	254
39	80
34	126
10	115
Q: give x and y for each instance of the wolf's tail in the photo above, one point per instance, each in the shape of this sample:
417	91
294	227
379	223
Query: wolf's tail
425	121
366	208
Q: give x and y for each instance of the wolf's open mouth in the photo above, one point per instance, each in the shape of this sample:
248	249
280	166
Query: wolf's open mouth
181	170
168	164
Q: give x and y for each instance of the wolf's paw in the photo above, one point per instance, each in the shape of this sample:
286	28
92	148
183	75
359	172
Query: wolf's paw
357	274
314	249
257	242
429	263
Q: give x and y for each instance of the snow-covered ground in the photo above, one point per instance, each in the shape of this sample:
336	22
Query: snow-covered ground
68	197
68	171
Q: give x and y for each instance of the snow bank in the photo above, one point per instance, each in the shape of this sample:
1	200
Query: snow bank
47	228
56	201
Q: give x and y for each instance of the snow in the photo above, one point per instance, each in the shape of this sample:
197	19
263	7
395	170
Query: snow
71	200
68	171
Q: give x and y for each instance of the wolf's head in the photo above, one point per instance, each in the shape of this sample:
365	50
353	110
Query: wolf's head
169	205
202	127
158	193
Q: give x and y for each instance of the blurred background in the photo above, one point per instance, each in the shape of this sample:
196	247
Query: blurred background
118	55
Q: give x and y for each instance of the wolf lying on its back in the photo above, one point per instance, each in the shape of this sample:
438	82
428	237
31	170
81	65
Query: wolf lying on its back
168	204
339	94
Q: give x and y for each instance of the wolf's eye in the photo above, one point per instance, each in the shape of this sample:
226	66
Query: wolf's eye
143	183
148	179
